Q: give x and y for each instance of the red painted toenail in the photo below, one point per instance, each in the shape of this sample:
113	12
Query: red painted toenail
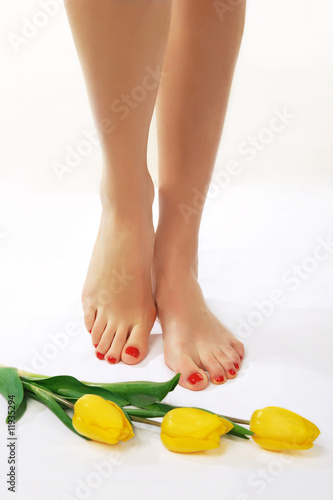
219	379
236	366
232	372
194	378
111	360
133	351
89	331
100	355
95	345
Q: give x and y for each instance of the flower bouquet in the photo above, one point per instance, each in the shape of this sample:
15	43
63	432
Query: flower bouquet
106	412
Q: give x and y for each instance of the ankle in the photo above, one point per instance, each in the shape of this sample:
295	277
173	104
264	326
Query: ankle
174	254
130	203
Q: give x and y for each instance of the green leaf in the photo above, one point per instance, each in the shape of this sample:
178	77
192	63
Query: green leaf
127	415
141	394
144	412
237	434
20	410
161	407
11	385
71	388
45	397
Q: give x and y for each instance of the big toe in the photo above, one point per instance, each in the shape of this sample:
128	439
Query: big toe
136	346
192	377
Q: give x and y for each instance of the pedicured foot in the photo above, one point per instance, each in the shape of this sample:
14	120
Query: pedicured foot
196	343
118	304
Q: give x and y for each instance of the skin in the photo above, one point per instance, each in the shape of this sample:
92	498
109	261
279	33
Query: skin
134	274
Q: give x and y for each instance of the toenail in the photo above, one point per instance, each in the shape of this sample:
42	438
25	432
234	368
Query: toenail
89	331
219	379
95	345
111	360
133	351
100	355
232	372
236	366
194	378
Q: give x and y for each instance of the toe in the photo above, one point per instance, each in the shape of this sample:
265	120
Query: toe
113	354
105	341
238	347
230	353
192	377
98	328
228	366
215	369
136	347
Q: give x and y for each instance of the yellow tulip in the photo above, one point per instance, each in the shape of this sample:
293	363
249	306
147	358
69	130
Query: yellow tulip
187	430
101	420
278	429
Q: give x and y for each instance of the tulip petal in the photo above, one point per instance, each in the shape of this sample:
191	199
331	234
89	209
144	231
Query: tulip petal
188	445
110	436
194	423
269	444
96	409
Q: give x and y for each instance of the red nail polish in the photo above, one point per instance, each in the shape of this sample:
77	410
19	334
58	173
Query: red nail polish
236	366
219	379
89	331
133	351
194	378
111	360
95	345
100	355
232	372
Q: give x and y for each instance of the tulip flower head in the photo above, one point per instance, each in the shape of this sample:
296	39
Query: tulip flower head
101	420
186	430
278	429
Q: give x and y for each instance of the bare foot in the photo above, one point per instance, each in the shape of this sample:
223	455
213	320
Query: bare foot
118	303
194	339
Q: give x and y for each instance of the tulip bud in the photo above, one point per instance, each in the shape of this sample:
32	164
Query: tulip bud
101	420
278	429
187	430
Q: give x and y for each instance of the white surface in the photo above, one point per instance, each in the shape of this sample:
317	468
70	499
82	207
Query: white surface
268	218
288	359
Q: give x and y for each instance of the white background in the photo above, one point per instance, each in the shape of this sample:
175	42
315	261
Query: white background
268	218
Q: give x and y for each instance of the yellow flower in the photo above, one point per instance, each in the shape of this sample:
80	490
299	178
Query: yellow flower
101	420
278	429
186	430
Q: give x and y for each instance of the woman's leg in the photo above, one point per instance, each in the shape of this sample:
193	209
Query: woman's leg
192	102
121	45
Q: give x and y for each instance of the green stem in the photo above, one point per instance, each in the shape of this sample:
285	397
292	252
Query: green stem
63	401
236	420
146	421
23	373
